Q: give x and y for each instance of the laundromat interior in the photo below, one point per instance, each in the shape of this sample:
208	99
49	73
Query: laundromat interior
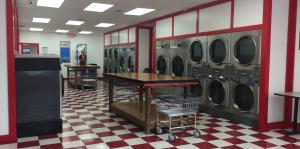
139	74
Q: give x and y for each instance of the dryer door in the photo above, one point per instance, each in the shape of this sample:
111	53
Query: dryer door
110	54
130	64
244	50
116	54
178	66
161	65
197	90
217	51
105	53
216	92
243	97
122	63
196	52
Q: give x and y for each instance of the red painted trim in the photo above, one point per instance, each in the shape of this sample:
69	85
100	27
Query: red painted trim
291	42
11	48
128	35
275	125
232	14
239	29
150	48
265	66
154	50
197	23
173	27
136	64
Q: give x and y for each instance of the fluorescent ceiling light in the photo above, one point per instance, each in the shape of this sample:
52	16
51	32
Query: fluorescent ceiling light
72	22
41	20
139	11
104	25
98	7
50	3
61	31
85	32
36	29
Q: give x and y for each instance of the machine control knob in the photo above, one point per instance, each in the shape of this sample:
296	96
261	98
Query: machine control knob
210	76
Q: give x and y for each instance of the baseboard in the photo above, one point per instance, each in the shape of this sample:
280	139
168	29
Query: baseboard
7	139
29	129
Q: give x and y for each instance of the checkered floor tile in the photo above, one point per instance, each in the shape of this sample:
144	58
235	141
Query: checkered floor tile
87	124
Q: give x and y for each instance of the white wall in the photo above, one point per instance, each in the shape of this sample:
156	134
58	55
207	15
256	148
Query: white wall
297	56
52	40
3	73
278	50
144	38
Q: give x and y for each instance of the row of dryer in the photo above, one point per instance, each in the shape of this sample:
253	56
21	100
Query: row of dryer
227	67
119	59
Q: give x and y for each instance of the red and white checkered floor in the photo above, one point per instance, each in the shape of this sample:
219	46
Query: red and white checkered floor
88	124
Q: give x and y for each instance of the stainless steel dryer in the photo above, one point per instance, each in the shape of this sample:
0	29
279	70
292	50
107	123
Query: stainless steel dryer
218	50
244	98
130	59
178	53
246	49
116	56
217	88
199	89
162	57
105	53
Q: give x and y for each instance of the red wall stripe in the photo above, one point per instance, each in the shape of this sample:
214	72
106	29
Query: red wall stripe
136	64
265	65
291	40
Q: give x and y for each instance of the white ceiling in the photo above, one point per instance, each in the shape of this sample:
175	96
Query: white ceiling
73	10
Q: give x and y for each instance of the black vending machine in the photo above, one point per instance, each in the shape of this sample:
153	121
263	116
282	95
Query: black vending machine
39	95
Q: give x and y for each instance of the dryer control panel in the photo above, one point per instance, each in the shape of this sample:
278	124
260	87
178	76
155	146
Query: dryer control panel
196	72
218	74
250	77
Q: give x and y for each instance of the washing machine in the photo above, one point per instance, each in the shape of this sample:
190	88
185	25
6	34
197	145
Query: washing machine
246	49
244	92
218	55
130	60
116	58
197	51
199	89
178	56
105	53
217	88
162	57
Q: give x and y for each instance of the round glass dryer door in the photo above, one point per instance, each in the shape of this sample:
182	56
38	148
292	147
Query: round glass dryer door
105	53
110	54
216	92
177	66
105	69
130	64
244	50
122	63
217	51
161	65
196	51
197	90
116	54
243	97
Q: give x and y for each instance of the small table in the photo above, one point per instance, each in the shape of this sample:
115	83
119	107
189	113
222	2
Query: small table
296	96
142	113
75	82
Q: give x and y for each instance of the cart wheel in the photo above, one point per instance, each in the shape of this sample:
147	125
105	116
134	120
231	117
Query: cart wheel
172	137
196	133
158	130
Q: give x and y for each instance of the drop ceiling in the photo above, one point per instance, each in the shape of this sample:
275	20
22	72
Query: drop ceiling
73	10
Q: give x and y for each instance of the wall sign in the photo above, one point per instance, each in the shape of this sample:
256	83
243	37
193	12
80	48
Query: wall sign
65	54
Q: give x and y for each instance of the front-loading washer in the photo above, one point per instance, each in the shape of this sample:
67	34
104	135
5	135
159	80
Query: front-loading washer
218	55
199	89
116	57
244	92
162	57
130	61
246	49
217	88
122	59
178	54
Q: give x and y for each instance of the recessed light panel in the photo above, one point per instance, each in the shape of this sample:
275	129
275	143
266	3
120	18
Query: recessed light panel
85	32
104	25
72	22
50	3
41	20
61	31
36	29
139	11
98	7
